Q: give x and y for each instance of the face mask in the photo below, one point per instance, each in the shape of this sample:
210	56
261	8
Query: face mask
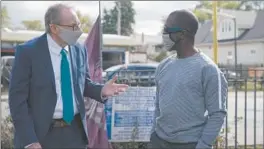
69	36
168	43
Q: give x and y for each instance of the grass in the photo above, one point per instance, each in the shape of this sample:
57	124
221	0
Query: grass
250	86
247	147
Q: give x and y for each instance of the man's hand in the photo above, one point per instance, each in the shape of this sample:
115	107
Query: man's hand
34	146
111	88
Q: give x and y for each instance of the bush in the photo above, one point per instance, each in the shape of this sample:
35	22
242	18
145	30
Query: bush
7	133
130	145
161	56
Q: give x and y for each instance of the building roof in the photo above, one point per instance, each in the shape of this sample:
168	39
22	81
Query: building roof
108	39
148	39
251	29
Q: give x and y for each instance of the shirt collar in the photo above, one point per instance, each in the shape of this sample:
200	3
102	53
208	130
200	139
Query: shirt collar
54	47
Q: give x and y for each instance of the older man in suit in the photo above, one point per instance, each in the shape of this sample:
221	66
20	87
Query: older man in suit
49	80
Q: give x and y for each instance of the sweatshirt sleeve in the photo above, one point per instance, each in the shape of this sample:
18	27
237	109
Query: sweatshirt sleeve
156	111
215	93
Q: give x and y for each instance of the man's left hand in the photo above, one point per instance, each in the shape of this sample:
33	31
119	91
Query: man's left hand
111	88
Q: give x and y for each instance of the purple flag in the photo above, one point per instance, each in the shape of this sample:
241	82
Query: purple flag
96	120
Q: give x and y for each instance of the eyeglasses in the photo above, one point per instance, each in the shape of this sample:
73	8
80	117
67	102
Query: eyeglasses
169	30
74	27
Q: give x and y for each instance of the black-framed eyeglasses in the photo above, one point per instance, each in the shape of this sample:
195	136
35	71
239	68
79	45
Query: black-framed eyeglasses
74	27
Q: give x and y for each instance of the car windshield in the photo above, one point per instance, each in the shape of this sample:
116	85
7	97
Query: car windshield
114	68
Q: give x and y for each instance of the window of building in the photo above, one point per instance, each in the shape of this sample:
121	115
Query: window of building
229	53
226	26
252	51
110	48
223	28
229	27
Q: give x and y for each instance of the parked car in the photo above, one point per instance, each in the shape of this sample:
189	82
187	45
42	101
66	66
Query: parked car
231	76
133	74
6	67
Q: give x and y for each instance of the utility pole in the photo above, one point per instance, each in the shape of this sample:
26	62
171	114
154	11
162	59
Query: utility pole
215	41
118	25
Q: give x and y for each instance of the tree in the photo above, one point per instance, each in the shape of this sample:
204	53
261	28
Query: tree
235	5
5	18
85	20
33	25
203	16
109	24
252	5
127	18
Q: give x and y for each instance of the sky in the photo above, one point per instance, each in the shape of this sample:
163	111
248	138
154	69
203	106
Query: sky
148	13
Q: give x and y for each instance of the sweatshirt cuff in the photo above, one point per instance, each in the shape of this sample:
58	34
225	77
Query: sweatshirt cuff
28	145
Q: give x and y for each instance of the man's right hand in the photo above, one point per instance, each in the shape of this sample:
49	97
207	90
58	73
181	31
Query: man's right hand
34	146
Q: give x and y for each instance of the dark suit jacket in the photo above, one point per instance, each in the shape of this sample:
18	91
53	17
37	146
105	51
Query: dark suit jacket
32	94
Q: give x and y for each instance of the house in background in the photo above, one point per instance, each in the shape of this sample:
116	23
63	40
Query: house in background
250	38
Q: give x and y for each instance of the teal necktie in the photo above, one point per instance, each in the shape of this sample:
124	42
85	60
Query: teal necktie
66	88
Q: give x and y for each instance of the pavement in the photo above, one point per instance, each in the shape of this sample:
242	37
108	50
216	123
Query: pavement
250	103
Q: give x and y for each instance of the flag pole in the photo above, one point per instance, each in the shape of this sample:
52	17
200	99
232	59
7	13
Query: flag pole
101	37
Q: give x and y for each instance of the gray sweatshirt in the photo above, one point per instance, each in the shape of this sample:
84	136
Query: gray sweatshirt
187	89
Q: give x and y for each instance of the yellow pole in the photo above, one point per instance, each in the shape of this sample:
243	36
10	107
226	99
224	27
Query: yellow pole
215	41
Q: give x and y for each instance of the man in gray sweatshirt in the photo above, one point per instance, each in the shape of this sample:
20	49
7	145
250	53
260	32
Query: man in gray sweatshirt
189	85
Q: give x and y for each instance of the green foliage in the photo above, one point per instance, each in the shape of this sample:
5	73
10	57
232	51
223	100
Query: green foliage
33	25
235	5
162	55
203	16
37	24
5	18
109	19
7	132
85	20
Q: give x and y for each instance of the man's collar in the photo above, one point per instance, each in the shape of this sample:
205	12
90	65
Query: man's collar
54	47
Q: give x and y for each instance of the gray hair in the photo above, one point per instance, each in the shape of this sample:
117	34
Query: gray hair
52	15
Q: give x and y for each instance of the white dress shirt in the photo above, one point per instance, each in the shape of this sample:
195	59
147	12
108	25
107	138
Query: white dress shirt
55	56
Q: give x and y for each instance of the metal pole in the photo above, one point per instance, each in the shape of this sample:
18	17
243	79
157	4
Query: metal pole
101	36
235	40
118	27
245	114
215	42
235	46
255	109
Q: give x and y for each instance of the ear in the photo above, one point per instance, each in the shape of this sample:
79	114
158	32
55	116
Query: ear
54	28
182	35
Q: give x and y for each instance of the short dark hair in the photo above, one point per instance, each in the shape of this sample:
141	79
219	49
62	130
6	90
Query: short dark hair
52	15
186	19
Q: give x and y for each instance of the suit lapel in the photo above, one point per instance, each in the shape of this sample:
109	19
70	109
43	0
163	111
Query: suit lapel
45	58
73	63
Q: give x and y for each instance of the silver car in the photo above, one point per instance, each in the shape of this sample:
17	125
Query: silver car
133	74
6	67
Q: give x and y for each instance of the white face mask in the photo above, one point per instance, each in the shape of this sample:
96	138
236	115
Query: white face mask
167	42
70	36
